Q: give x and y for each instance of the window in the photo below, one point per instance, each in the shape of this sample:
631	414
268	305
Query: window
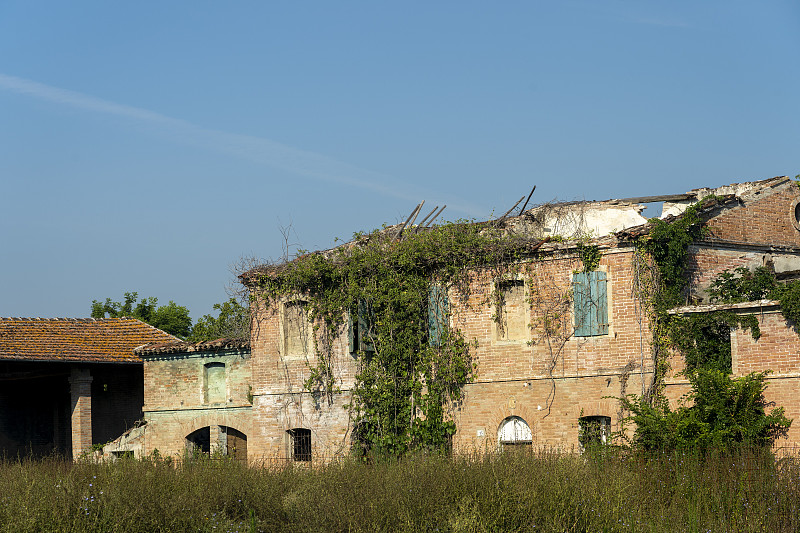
514	431
214	383
361	330
295	328
511	312
593	431
591	303
300	444
438	314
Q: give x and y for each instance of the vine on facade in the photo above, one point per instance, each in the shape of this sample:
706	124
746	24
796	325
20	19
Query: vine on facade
379	290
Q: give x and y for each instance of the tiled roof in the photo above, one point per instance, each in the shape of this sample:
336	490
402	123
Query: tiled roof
216	345
106	340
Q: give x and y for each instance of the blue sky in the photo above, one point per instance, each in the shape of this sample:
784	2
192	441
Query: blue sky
148	146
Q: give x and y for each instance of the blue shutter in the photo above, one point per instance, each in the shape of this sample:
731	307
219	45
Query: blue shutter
581	295
438	310
591	303
599	303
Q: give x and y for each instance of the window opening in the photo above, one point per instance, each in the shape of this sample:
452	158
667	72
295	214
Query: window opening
361	328
295	327
591	303
300	443
512	312
514	431
438	314
214	379
593	431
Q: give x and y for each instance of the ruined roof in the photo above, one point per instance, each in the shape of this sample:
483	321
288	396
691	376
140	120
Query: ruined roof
216	345
602	221
104	340
741	306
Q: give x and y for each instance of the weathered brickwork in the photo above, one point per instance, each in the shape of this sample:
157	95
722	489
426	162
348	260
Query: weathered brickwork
765	217
282	402
177	400
533	365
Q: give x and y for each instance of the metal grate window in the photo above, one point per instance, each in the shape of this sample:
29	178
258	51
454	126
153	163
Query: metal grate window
300	444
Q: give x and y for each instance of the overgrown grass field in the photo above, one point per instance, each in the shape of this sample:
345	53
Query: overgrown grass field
539	491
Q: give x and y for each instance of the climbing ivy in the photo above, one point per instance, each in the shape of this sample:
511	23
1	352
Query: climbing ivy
405	381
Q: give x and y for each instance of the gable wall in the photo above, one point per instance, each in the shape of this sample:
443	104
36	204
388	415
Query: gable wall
763	218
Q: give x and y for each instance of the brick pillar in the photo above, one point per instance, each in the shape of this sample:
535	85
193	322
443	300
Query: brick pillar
219	440
80	386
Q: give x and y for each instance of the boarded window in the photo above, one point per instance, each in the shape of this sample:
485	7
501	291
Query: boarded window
512	311
593	430
300	444
214	382
591	303
361	330
514	431
295	328
438	314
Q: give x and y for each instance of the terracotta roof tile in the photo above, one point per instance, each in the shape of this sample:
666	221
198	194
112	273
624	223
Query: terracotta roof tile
106	340
216	345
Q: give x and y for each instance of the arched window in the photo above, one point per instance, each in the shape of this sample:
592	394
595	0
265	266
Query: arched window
514	431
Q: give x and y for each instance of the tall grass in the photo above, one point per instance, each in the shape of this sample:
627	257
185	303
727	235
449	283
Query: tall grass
541	491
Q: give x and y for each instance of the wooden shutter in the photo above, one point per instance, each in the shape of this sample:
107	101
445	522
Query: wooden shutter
597	286
438	310
591	303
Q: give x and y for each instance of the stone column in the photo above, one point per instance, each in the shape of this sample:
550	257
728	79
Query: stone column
80	386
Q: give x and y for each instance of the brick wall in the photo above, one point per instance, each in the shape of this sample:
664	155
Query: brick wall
765	217
175	402
547	379
281	401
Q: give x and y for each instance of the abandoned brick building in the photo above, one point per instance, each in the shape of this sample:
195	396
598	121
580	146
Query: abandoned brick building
562	342
554	341
69	384
196	398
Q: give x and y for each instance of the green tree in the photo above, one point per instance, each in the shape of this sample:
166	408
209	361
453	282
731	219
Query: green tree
233	321
720	412
172	318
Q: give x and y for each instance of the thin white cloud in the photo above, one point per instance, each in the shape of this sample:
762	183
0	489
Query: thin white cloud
258	149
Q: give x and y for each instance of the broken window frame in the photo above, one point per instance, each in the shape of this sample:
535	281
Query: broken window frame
361	328
438	314
593	431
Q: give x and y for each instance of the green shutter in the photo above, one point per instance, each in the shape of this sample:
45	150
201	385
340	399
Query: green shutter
591	303
600	303
438	310
581	294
